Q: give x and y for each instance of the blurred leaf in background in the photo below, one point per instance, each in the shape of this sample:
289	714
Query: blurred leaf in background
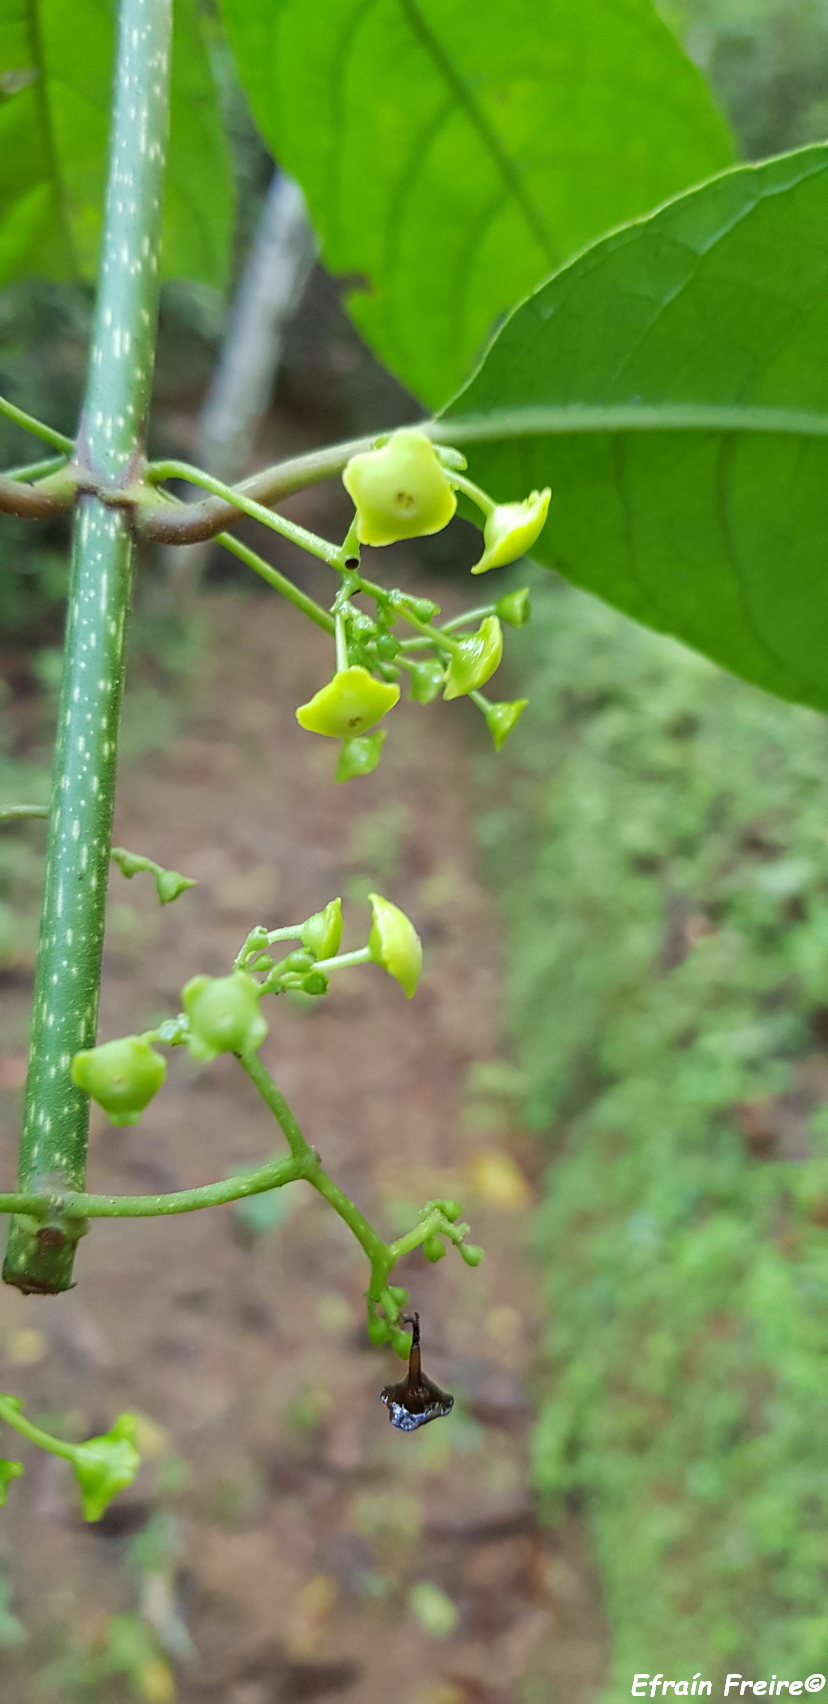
454	154
662	857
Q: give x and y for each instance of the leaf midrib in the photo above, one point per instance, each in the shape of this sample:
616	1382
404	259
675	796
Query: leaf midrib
582	419
445	67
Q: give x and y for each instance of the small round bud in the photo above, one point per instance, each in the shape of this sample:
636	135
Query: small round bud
450	1209
378	1331
298	960
434	1249
471	1253
350	704
511	529
475	659
400	491
359	756
502	718
224	1015
426	680
401	1343
315	983
122	1076
395	944
322	932
387	647
514	607
398	1294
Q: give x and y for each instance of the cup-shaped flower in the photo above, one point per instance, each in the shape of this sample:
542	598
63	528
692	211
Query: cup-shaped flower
106	1465
322	932
395	944
426	680
122	1076
359	755
9	1470
511	529
401	490
224	1015
350	704
502	718
475	658
514	607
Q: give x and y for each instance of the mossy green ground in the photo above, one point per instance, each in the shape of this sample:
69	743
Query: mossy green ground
662	857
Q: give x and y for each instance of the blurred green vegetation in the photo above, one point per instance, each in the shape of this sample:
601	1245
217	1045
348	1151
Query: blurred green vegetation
662	857
766	60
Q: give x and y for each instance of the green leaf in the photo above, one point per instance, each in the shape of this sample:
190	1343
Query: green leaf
671	385
55	88
454	152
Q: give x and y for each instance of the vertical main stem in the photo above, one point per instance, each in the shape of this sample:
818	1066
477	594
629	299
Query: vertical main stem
55	1130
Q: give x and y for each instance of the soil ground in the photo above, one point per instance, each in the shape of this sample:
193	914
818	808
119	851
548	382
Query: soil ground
282	1540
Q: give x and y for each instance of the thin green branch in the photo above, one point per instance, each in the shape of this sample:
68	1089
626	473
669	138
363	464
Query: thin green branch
37	469
18	813
275	1100
279	581
28	423
309	541
12	1415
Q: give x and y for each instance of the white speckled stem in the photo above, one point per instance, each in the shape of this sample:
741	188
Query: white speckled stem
55	1130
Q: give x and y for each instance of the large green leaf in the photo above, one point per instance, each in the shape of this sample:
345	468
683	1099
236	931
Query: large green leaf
454	152
671	385
55	89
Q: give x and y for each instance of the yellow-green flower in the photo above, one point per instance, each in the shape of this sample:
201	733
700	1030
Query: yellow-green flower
511	529
395	944
475	659
350	704
400	491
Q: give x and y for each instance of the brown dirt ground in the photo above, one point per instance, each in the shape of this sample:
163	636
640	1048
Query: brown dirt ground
298	1523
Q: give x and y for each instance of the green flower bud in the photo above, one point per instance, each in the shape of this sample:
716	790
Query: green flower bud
361	754
511	529
106	1465
350	703
298	960
401	1343
378	1331
514	607
502	718
476	659
451	1210
426	681
398	1294
171	883
400	491
9	1470
224	1015
387	647
122	1076
395	944
316	983
434	1249
471	1253
322	932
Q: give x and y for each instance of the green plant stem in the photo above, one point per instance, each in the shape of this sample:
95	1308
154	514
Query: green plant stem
28	423
479	497
301	1150
38	469
343	961
309	541
275	1100
10	1413
56	1119
18	813
267	572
